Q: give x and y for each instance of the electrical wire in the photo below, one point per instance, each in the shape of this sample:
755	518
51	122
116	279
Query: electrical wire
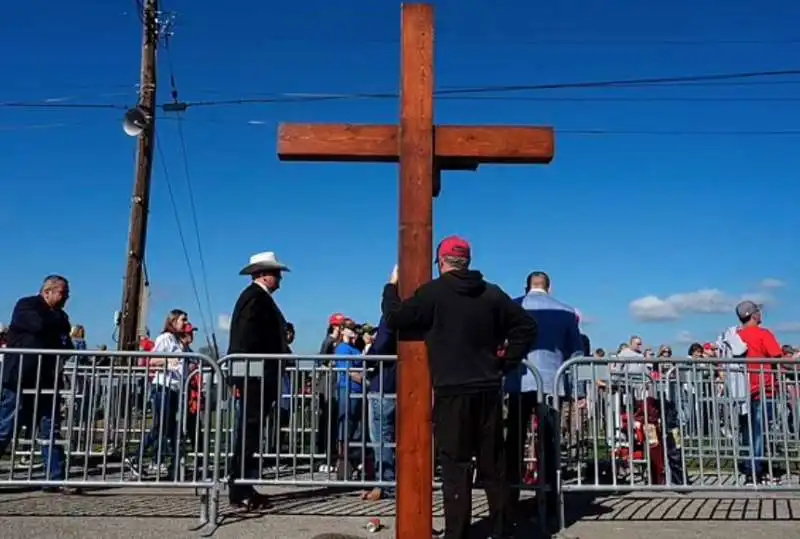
210	335
181	236
505	39
650	82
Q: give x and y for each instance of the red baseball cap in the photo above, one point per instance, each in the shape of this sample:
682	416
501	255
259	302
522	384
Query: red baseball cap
188	328
454	246
146	344
708	346
336	319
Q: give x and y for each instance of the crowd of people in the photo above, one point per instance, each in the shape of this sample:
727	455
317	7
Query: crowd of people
476	336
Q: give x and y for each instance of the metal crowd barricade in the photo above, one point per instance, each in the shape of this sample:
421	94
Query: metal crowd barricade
97	419
308	427
304	420
683	425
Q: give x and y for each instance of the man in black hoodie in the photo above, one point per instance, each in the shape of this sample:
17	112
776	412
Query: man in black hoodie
465	321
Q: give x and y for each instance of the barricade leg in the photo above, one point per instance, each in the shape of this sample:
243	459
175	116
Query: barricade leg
8	412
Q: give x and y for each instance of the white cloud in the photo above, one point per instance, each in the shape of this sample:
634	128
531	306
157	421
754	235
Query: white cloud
772	284
653	308
788	327
224	322
706	301
685	337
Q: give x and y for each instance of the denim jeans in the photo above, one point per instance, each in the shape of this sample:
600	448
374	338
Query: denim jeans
48	425
761	415
164	435
381	433
350	410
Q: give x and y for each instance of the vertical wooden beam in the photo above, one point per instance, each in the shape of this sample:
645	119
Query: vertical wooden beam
414	435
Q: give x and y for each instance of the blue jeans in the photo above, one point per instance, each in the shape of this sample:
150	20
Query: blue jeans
761	415
351	428
48	424
164	434
381	432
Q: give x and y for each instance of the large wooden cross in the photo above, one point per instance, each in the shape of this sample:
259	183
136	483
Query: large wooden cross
423	150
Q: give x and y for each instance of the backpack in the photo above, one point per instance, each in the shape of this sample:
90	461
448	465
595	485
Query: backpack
731	345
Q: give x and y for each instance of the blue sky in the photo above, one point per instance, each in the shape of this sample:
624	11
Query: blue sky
690	220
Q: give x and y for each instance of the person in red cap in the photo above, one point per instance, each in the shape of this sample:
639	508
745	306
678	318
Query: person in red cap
335	323
326	382
465	320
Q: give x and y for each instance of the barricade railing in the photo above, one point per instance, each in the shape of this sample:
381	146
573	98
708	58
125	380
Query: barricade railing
122	419
674	424
81	419
327	421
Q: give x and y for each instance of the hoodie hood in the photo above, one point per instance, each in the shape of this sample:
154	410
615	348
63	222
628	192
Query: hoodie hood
465	282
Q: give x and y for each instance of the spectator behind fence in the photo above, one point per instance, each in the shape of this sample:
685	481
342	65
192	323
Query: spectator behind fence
328	403
165	396
350	383
382	377
37	322
257	327
465	320
761	344
559	339
632	358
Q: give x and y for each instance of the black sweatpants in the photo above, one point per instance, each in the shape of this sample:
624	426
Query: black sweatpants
467	425
521	407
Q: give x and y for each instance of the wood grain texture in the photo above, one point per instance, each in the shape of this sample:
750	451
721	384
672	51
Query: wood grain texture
423	152
414	427
379	143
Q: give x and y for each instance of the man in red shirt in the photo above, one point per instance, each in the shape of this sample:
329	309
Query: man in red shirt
761	344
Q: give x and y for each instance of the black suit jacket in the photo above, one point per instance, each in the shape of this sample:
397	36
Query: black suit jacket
35	325
258	327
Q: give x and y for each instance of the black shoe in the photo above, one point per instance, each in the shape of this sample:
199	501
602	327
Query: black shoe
254	502
63	490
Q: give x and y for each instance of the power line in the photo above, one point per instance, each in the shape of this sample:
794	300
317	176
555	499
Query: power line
637	82
658	82
506	40
600	132
627	99
181	236
192	205
53	105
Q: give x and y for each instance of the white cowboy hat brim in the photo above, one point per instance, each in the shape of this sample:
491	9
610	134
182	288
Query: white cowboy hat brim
262	266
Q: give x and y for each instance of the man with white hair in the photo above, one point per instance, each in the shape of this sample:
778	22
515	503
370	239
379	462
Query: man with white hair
38	322
257	327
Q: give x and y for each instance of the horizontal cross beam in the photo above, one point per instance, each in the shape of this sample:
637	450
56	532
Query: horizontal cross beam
456	147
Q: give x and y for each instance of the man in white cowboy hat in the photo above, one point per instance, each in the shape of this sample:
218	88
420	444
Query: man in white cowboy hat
257	327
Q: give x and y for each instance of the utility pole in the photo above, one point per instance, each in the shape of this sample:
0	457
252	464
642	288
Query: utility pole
137	239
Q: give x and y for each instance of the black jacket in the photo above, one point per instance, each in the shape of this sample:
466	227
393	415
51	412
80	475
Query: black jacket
465	321
35	325
258	327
